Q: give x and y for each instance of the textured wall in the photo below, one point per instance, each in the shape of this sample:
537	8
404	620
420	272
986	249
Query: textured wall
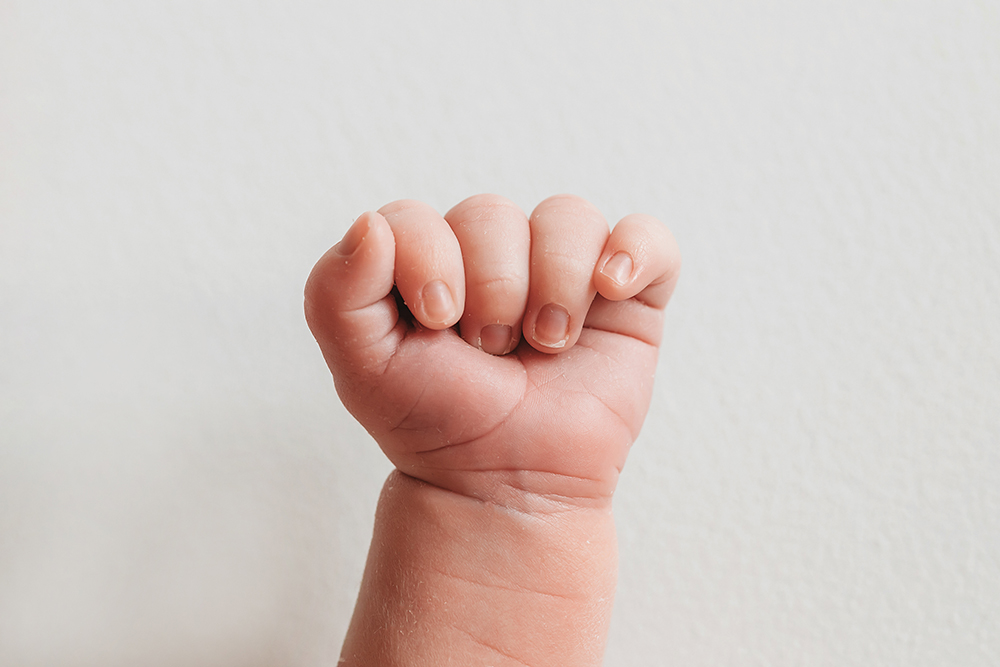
818	482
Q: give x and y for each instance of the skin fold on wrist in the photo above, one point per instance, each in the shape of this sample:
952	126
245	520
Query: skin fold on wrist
459	581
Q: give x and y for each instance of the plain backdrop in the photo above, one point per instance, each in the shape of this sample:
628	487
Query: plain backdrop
818	480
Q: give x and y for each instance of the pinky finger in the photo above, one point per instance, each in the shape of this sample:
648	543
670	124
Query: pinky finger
640	260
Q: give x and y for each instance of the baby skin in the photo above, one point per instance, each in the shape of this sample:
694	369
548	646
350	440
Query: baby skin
504	364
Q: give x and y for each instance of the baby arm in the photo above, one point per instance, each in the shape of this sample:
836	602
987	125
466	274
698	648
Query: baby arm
494	542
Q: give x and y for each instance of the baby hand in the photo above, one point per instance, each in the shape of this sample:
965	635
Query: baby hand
505	359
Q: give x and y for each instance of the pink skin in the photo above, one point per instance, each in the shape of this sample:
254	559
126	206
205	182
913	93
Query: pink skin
450	414
517	377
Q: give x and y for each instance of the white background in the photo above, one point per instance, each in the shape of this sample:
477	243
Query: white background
818	481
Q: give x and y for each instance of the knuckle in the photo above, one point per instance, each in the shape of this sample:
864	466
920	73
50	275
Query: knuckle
405	206
484	209
568	204
503	285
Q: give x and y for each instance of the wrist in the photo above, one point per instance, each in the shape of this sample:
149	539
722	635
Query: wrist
451	577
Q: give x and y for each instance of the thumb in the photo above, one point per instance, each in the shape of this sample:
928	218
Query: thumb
349	304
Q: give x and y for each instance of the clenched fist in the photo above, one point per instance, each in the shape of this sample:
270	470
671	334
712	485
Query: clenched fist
505	358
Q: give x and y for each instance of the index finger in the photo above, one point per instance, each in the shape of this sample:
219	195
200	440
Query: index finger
429	272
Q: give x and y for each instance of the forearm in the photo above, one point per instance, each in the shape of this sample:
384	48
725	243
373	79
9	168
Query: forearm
453	580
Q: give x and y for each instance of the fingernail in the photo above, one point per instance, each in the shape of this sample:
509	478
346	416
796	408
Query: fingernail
439	306
552	326
495	339
618	268
354	236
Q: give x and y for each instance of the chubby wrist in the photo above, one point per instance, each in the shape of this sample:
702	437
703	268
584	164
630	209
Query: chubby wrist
453	578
